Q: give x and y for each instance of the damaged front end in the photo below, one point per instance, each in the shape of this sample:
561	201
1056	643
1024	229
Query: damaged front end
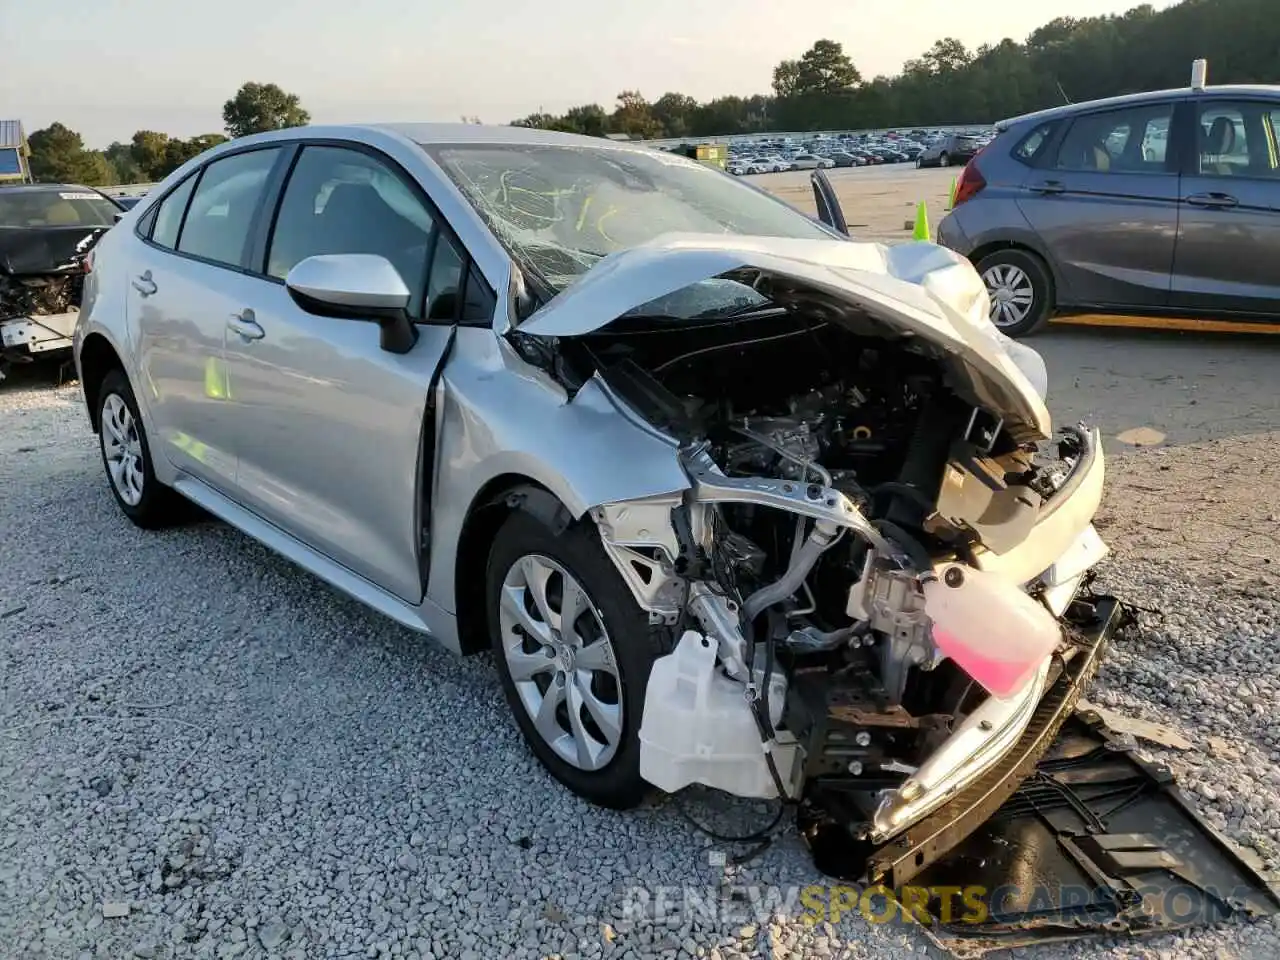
875	574
42	274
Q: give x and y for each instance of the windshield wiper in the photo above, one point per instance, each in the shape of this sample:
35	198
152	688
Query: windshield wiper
755	311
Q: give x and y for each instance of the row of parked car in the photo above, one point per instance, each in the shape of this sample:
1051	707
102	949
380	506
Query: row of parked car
924	148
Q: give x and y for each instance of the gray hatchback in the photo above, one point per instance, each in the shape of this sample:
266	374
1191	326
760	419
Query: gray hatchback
1156	203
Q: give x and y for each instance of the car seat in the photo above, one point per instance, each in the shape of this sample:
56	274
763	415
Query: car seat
1086	156
1216	145
62	214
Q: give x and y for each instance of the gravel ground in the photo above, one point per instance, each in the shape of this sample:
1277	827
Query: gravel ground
198	735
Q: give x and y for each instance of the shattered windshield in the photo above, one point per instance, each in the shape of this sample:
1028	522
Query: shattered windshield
560	209
56	208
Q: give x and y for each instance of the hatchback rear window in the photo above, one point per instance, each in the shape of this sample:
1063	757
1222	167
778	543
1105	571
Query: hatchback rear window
1031	146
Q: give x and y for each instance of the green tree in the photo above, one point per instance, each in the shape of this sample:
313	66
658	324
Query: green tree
149	150
259	107
825	69
58	155
120	156
675	113
786	79
178	152
589	119
634	116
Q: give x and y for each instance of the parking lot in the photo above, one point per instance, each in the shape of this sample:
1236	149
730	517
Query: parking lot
878	201
197	734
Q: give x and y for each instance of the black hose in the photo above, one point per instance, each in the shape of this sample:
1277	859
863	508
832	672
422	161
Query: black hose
914	549
764	833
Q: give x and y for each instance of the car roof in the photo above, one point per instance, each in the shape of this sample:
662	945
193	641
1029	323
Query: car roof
1149	96
431	134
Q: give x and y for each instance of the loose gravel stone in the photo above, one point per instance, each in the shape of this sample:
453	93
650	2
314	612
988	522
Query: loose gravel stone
206	753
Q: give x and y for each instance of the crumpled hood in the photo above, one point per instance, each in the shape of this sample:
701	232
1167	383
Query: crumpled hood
914	289
44	250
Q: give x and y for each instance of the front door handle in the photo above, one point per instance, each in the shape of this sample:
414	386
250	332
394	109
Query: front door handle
1213	200
144	284
1049	186
246	326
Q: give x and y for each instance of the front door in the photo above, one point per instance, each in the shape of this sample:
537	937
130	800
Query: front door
332	447
1106	207
1229	227
185	282
824	198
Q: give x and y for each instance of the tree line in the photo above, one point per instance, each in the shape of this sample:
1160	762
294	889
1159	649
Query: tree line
1066	59
58	153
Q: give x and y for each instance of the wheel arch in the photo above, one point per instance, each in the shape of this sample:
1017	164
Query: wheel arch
491	506
97	358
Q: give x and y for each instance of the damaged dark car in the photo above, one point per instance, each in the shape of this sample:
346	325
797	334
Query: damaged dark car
46	233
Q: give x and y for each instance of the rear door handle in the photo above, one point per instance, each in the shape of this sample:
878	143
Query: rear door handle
1049	186
1212	200
245	325
144	284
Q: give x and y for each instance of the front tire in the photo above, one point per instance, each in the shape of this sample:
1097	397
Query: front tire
1021	291
576	687
126	455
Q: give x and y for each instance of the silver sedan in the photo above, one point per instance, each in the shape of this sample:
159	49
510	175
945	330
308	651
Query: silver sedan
661	443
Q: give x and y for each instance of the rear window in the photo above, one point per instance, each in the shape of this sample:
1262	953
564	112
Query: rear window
1032	146
56	208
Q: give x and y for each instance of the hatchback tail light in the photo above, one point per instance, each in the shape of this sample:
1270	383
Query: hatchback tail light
970	184
87	263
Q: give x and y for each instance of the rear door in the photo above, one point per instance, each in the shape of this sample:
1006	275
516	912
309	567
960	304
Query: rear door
1105	205
187	280
1229	227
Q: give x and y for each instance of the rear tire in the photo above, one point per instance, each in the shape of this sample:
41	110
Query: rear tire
1021	291
944	161
594	674
126	456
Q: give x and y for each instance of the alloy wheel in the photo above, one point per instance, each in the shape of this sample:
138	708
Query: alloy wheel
122	449
1012	294
561	662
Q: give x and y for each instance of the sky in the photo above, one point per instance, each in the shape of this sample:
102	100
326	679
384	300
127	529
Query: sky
109	67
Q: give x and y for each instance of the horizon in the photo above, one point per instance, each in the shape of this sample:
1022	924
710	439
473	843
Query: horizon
669	46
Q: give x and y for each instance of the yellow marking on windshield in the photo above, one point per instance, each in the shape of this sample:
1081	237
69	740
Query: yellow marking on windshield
582	217
600	223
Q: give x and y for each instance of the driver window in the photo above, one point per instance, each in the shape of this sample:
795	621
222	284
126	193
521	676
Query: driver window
339	200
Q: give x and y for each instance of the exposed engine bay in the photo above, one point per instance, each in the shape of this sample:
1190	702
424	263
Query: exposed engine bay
827	573
42	274
39	296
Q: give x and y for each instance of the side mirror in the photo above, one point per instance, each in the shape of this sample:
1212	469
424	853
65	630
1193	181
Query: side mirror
360	286
119	215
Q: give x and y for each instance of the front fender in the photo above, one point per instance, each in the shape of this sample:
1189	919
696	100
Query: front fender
500	417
